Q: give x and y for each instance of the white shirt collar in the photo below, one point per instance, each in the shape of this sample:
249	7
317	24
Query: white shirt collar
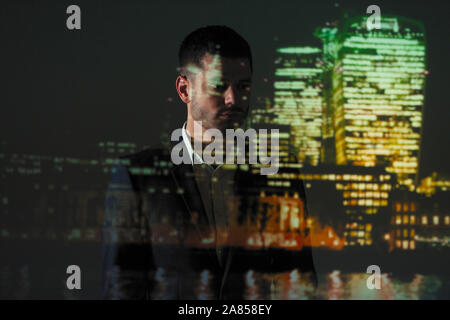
187	142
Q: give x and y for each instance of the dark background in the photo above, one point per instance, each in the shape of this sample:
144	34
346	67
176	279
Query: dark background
65	90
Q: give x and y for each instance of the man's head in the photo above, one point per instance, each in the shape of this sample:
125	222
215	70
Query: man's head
215	77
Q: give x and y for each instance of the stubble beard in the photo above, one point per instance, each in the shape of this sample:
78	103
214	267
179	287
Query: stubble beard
214	122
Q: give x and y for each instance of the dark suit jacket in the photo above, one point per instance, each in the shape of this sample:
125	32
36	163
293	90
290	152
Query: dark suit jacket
154	230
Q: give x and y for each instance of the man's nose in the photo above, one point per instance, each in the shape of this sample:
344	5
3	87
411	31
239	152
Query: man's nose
230	96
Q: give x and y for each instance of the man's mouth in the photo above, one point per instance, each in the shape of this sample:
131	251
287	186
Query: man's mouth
231	114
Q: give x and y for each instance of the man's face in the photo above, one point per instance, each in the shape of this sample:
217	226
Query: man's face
221	92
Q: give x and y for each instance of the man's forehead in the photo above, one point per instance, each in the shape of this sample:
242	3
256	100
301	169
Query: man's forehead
227	67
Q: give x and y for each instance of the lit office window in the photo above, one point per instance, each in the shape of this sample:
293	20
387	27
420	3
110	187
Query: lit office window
436	220
424	220
405	244
405	219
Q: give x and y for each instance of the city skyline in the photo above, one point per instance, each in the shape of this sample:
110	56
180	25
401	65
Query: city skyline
364	178
85	108
333	104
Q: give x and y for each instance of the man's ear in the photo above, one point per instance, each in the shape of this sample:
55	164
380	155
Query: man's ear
183	88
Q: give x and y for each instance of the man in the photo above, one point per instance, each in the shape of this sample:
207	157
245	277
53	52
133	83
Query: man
173	231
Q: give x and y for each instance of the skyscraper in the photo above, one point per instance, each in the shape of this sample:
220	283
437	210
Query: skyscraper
298	99
376	95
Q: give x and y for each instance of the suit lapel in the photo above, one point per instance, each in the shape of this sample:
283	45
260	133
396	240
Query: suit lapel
230	253
183	176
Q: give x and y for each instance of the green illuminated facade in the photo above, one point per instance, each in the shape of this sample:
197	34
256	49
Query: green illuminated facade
298	99
375	97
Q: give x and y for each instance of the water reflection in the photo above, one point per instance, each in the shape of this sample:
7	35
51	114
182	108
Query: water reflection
335	285
18	282
160	284
204	291
251	292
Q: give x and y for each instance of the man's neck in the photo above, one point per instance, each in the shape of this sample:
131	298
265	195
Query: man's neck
204	144
196	133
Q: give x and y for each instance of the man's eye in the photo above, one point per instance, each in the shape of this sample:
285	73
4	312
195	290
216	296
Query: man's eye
220	87
245	87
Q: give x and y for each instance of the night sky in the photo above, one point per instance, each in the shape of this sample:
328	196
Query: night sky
63	91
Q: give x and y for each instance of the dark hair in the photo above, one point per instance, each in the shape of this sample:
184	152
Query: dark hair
212	40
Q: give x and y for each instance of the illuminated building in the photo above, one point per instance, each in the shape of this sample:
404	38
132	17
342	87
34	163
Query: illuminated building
405	219
262	112
376	95
272	212
429	185
116	149
359	198
282	218
284	141
298	99
419	221
65	195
